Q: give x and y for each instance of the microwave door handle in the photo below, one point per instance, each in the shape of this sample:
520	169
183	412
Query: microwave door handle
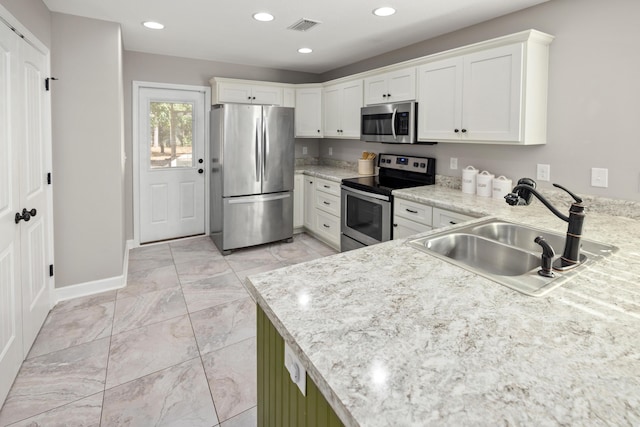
393	123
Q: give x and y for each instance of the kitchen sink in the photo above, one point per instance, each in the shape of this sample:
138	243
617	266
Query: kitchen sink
505	252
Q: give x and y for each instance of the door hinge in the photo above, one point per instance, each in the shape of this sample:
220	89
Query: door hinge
50	270
46	82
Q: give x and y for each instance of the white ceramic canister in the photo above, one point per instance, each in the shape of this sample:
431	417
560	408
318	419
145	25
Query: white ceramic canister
501	187
484	182
469	179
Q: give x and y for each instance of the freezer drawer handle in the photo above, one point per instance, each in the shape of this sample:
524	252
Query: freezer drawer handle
257	199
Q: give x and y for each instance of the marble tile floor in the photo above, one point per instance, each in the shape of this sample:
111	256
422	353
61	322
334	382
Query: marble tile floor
175	347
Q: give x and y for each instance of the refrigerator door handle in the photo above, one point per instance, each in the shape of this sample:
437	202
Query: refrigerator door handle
265	147
256	199
258	157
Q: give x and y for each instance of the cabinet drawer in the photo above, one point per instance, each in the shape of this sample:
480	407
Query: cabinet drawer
403	228
413	211
328	227
328	186
445	218
328	203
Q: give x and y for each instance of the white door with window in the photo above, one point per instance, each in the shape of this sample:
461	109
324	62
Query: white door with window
171	163
24	201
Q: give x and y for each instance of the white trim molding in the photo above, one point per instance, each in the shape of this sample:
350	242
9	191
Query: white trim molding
96	286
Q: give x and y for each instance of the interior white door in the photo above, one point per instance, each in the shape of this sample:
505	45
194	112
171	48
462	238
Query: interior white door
11	351
171	138
33	192
24	238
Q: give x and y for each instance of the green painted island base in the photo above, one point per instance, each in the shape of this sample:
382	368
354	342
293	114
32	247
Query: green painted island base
280	402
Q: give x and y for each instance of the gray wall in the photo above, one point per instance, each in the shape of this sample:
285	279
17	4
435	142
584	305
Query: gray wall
593	97
34	15
170	69
87	149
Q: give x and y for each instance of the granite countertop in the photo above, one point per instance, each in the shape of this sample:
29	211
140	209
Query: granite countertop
330	173
395	337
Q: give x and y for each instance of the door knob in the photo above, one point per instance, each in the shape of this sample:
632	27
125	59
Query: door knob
26	215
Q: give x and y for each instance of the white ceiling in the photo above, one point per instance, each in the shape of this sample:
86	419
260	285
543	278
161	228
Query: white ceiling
225	31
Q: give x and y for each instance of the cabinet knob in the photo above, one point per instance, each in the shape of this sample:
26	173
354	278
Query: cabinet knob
388	95
384	95
395	225
464	131
318	130
456	130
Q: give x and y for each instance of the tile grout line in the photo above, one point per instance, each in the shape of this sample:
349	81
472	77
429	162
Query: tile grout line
106	370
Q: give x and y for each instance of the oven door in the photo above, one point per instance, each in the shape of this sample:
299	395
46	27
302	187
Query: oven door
366	217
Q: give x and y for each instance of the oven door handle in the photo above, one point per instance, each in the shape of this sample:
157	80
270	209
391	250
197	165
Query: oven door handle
365	194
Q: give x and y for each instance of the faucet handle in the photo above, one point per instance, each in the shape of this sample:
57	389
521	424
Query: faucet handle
578	199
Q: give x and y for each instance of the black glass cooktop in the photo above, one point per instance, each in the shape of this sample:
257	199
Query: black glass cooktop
380	185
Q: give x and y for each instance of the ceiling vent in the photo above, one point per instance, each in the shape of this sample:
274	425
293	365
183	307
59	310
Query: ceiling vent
303	25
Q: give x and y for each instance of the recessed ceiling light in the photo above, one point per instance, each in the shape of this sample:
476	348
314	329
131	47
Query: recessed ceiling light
384	11
263	16
305	50
153	25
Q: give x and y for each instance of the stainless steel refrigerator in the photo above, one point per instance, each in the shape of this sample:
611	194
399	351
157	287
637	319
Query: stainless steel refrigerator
252	168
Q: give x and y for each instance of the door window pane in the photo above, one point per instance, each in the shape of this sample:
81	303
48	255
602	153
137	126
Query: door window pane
171	135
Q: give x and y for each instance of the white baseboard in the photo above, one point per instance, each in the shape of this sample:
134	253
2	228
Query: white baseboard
96	286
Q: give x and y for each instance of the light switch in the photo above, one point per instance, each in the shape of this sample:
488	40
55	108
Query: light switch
543	172
304	150
453	163
599	177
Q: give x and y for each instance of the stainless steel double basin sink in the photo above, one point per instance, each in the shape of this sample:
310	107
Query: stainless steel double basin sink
506	253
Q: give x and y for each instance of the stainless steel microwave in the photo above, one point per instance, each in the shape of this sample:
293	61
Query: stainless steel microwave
389	123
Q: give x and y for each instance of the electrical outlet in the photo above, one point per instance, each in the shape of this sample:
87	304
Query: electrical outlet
599	177
331	151
543	172
297	372
453	163
304	150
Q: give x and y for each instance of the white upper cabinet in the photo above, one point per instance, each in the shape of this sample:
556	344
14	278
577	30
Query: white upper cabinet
308	117
246	93
494	96
341	105
394	86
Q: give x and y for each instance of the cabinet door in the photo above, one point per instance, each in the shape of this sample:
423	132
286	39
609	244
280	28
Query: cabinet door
403	228
332	109
266	95
288	97
445	218
492	100
308	116
375	89
233	92
401	85
351	105
440	100
309	203
298	201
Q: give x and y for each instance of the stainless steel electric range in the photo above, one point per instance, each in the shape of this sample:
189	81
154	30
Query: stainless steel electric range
367	203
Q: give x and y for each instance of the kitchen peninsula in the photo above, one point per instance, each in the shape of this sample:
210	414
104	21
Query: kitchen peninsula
392	336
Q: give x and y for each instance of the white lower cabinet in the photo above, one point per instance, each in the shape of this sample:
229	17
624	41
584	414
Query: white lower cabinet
298	202
410	218
445	218
309	211
321	211
403	228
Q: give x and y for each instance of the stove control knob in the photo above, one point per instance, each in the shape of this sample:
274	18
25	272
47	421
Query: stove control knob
415	164
388	160
422	165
